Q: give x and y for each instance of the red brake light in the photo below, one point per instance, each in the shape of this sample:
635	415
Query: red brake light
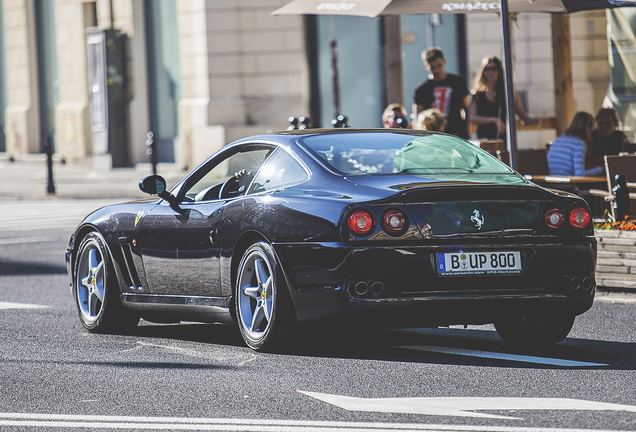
394	222
554	218
580	218
360	222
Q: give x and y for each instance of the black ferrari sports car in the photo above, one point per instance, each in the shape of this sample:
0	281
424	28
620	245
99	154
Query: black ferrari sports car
364	228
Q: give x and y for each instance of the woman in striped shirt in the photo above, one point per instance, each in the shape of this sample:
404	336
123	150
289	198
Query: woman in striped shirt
567	153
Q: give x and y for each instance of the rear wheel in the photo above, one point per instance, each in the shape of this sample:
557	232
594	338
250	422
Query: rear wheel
263	306
533	331
95	289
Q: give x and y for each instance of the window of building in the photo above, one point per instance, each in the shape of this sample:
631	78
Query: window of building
163	74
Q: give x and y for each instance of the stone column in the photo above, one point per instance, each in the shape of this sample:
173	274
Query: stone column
72	113
22	121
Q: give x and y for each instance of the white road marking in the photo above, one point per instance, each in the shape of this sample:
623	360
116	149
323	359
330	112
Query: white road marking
254	425
184	351
463	406
10	241
254	357
240	358
616	299
37	215
11	305
502	356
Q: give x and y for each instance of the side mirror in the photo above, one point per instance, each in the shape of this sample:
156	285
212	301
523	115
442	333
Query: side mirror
153	185
156	185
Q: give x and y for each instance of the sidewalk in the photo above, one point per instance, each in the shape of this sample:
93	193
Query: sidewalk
27	178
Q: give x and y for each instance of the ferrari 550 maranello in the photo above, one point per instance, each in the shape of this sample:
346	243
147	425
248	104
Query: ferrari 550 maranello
344	227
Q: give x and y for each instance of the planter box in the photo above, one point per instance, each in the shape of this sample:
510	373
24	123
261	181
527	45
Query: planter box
616	265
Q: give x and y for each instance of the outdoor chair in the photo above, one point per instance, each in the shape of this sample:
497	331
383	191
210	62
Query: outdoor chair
624	163
534	162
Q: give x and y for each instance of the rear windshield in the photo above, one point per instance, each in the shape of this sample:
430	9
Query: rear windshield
364	153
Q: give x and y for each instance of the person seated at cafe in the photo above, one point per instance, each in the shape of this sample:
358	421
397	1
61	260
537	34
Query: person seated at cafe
431	120
606	138
488	107
395	116
567	153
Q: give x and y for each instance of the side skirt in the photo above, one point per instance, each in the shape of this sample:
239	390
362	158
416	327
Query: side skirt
184	308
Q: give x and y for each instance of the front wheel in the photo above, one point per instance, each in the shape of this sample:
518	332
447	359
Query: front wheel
263	305
95	289
535	331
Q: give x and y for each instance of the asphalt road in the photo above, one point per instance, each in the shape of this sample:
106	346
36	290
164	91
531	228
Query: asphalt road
56	376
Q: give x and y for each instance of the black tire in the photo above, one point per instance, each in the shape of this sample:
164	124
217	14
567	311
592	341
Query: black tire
535	331
264	309
95	289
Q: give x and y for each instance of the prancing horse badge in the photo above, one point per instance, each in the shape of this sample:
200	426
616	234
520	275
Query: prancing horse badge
477	218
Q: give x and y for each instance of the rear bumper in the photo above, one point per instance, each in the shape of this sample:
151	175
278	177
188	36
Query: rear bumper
408	291
437	311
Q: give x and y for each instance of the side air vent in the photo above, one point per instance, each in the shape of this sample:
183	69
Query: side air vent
131	276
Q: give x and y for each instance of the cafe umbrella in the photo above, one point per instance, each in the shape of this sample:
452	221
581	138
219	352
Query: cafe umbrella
377	8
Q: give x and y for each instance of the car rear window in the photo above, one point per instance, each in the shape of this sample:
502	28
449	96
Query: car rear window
364	153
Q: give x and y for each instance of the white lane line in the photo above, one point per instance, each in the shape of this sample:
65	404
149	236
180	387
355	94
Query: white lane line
464	406
255	425
502	356
27	240
11	305
42	225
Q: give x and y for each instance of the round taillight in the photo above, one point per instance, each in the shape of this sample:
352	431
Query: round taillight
360	222
554	218
580	218
394	222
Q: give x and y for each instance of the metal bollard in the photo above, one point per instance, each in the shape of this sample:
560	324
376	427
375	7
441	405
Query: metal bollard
49	149
293	123
151	151
340	121
305	123
621	197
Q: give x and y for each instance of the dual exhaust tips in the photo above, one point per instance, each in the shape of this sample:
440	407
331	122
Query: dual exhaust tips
577	283
366	289
374	289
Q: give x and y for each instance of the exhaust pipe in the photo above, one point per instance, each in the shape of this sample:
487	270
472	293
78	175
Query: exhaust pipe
586	284
361	288
575	283
377	288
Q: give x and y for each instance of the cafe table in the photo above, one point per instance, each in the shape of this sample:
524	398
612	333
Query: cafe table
554	180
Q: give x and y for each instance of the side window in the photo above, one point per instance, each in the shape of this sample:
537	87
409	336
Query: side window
220	181
279	171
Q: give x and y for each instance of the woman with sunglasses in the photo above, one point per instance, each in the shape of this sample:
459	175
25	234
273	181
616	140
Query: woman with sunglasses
488	110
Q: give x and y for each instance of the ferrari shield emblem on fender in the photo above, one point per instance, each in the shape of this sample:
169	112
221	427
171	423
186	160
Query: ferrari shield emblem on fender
140	214
477	218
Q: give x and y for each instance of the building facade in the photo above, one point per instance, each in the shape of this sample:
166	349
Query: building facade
99	75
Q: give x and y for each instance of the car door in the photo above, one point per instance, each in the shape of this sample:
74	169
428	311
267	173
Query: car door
180	246
178	249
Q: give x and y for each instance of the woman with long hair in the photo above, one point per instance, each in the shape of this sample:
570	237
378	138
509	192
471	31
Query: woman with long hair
488	107
567	153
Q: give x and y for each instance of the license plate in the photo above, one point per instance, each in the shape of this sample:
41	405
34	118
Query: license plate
471	263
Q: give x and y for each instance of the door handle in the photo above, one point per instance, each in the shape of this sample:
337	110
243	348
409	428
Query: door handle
213	236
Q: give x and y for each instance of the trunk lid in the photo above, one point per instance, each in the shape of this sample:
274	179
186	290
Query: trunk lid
476	211
482	205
